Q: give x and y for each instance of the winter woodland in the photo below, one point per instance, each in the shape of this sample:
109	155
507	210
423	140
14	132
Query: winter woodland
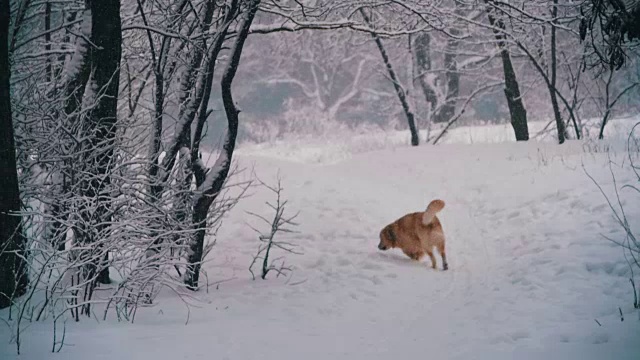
175	156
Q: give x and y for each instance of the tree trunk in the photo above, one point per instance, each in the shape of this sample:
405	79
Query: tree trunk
415	139
76	76
190	101
159	64
102	120
13	271
77	71
452	76
517	110
562	131
47	39
215	179
422	59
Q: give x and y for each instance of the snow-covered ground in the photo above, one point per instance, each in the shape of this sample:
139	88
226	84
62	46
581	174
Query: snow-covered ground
531	275
340	145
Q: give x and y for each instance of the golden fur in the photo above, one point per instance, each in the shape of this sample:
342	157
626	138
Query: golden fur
416	234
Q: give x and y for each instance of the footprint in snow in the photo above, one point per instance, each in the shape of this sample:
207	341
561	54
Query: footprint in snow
318	263
374	279
519	335
514	214
600	338
343	261
564	338
372	266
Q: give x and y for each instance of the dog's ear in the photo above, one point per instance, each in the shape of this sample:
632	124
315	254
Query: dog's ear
391	236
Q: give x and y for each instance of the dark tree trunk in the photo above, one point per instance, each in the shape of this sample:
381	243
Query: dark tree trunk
452	76
422	58
66	39
213	183
190	101
78	70
76	75
156	140
562	130
47	38
13	271
447	111
201	102
159	62
102	121
20	13
517	110
415	139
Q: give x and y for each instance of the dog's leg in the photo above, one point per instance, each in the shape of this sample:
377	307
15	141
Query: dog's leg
417	255
433	259
445	266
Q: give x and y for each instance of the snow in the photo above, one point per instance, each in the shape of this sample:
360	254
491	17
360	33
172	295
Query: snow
530	273
341	145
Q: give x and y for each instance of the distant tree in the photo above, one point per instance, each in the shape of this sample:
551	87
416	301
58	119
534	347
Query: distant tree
534	29
512	93
400	91
326	68
13	271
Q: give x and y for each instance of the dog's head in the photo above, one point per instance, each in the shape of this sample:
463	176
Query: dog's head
387	238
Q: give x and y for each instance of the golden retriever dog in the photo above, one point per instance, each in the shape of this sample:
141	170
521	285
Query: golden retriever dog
416	234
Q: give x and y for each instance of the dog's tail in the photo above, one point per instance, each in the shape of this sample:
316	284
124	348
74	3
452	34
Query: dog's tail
434	207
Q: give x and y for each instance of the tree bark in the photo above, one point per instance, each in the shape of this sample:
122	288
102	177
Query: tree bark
78	70
47	39
415	139
422	59
452	76
101	123
215	179
190	102
13	271
562	130
512	93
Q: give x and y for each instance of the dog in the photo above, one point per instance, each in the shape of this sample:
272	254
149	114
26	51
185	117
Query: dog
416	234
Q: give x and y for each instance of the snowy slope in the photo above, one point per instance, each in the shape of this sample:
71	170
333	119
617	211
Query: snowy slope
530	271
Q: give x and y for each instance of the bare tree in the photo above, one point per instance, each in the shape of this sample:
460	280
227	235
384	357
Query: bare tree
420	47
13	270
536	24
511	88
329	68
560	125
610	99
279	224
415	138
104	56
215	178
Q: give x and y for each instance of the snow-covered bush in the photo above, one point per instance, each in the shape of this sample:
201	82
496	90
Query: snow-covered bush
280	223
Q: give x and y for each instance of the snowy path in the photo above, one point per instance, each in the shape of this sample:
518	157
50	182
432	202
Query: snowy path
529	269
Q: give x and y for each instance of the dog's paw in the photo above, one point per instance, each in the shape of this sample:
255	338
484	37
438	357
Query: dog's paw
445	267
